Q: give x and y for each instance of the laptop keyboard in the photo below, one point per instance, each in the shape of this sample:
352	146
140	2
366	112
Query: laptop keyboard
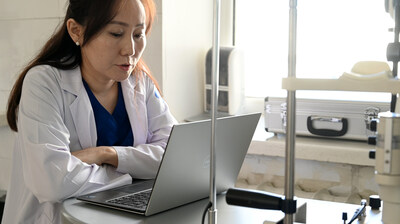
136	201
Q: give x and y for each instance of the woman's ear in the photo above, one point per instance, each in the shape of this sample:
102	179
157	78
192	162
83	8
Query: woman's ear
75	31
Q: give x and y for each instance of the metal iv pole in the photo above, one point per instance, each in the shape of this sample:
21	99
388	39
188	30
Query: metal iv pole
291	112
212	211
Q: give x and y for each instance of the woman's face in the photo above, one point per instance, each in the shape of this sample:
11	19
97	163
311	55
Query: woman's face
115	51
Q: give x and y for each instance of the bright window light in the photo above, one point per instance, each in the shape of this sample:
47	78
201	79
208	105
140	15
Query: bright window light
331	37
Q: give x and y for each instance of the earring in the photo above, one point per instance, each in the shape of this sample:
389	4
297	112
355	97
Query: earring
77	43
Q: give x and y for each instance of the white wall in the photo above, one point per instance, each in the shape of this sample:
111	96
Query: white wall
153	53
187	34
24	28
187	28
7	142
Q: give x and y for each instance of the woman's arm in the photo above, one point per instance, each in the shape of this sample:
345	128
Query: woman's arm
50	171
143	160
98	155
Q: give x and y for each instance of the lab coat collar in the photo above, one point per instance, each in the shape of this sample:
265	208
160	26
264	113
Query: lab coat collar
81	109
82	112
71	80
135	103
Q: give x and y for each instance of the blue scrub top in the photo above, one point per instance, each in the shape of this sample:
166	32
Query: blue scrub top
112	129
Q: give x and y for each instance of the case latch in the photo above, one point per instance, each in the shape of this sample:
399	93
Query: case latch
370	114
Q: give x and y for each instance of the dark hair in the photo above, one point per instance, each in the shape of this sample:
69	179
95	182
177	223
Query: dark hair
61	52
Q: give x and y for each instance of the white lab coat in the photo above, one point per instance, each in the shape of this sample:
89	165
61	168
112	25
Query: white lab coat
55	117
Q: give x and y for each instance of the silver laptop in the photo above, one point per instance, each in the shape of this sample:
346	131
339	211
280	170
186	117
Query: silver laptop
184	172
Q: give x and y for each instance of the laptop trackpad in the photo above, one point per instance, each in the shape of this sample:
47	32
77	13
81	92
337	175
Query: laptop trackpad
136	186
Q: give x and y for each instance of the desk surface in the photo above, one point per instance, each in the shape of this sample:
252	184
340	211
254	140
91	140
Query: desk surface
74	211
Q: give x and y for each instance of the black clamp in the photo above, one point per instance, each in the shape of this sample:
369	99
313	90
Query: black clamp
289	206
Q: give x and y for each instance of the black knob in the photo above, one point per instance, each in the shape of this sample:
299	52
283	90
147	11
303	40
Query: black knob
344	216
372	154
372	140
373	125
374	202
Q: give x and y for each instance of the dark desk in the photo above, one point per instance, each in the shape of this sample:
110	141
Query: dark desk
74	211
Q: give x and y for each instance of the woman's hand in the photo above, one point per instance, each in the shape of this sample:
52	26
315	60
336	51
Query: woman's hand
98	155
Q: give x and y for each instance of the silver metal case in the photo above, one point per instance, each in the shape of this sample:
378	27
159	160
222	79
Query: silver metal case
324	118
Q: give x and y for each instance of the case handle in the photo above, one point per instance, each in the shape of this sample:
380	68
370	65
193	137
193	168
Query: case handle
327	132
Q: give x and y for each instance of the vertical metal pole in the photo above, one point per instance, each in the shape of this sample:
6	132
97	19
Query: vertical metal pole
291	111
234	23
396	16
212	211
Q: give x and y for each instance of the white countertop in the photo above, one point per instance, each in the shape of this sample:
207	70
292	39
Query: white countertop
312	148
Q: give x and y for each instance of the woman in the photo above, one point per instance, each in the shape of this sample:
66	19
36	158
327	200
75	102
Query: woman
87	112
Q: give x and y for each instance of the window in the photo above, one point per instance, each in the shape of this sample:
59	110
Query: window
331	37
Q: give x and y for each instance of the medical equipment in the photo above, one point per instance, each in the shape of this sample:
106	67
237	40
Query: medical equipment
393	49
387	165
231	81
387	155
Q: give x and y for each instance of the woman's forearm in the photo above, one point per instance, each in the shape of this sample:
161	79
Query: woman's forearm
98	155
